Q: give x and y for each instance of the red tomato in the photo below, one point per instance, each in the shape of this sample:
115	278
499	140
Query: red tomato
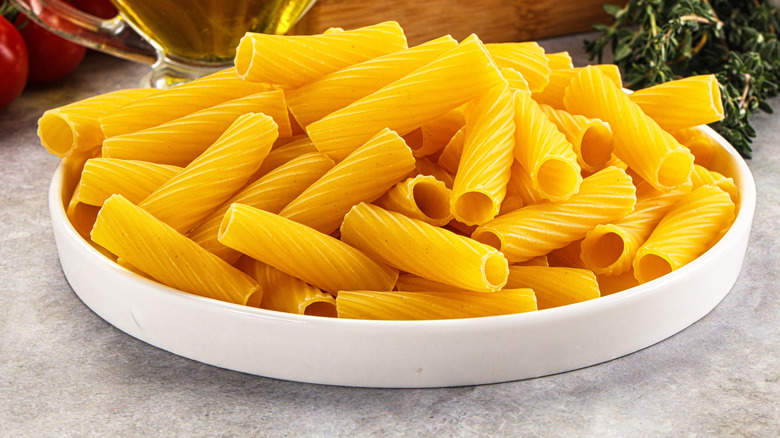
98	8
51	57
14	63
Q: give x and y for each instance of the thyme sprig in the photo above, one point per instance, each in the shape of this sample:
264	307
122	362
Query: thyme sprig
654	41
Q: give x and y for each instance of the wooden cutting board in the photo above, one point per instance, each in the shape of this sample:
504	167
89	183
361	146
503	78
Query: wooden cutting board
491	20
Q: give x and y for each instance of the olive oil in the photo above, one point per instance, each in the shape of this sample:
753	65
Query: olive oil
208	30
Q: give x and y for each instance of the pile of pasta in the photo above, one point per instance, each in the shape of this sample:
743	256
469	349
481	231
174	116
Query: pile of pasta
347	174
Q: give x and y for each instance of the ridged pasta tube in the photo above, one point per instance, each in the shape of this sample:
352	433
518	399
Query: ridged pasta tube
701	176
434	135
285	293
421	197
559	79
544	151
167	256
555	286
609	249
414	246
75	128
177	102
298	59
686	232
591	139
559	60
696	101
519	190
638	140
270	193
527	58
179	141
432	305
537	229
440	86
215	175
484	166
515	79
336	90
303	252
322	205
135	180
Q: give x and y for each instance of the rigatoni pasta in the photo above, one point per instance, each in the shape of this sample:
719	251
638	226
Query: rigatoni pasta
398	139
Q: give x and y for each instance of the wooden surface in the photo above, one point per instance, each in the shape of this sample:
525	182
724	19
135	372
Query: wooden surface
491	20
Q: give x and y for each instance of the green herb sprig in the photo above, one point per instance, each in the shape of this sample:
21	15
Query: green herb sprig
654	41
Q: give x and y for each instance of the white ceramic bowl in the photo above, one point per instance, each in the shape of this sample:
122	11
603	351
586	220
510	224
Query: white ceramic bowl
405	353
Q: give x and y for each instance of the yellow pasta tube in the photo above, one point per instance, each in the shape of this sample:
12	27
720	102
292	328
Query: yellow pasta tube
537	229
298	59
701	176
559	60
527	58
179	141
591	139
686	232
567	257
215	175
283	154
414	246
484	166
440	86
519	190
300	251
609	249
435	135
414	283
421	197
701	145
696	101
75	128
135	180
515	79
322	205
610	284
449	159
177	102
559	79
336	90
424	166
555	286
270	193
284	293
167	256
638	141
432	305
544	151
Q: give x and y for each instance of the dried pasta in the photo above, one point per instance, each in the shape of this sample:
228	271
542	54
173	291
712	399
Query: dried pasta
271	193
684	233
322	205
75	128
177	102
299	59
527	58
537	229
224	168
440	86
696	101
135	180
316	258
544	151
484	165
166	255
591	139
555	287
638	141
315	100
181	140
417	247
432	305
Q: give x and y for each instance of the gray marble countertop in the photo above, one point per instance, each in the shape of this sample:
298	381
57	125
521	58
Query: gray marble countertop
66	372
